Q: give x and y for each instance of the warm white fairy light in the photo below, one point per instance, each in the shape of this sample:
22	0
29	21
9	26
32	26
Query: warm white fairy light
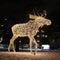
46	36
38	35
19	41
1	39
43	35
2	25
29	29
5	19
42	31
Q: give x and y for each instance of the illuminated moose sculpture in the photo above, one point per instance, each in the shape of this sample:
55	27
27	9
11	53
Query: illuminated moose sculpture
29	29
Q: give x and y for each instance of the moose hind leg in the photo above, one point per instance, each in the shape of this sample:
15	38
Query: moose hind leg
30	46
35	45
13	47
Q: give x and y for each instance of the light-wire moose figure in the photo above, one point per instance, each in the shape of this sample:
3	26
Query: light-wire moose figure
29	29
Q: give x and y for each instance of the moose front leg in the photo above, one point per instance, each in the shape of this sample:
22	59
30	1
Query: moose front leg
11	45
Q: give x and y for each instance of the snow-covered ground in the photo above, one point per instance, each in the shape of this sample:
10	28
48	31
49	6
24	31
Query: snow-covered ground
29	56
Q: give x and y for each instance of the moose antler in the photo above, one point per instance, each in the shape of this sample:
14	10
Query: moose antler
44	13
34	12
37	12
32	16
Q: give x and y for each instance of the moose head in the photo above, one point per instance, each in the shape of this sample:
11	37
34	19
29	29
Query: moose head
41	20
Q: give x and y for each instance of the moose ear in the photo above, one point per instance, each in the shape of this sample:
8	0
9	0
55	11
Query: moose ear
32	16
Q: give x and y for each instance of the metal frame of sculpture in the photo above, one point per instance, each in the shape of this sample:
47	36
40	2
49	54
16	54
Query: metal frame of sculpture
28	29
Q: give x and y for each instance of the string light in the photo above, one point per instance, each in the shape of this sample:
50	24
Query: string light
29	29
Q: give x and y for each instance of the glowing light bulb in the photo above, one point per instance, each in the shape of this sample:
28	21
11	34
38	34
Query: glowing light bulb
5	19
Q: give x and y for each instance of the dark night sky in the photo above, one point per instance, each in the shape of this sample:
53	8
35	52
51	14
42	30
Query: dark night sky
18	10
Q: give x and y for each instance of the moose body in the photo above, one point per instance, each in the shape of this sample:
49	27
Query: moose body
29	29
